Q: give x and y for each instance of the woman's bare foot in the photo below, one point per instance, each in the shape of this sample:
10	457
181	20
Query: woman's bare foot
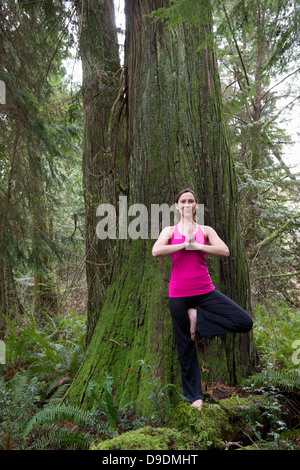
197	404
192	313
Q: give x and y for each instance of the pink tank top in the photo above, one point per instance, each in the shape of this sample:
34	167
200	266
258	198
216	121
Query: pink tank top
190	275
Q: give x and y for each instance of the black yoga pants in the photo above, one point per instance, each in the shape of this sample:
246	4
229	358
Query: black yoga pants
216	314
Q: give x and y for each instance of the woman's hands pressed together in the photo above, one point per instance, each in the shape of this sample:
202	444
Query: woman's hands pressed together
217	247
190	242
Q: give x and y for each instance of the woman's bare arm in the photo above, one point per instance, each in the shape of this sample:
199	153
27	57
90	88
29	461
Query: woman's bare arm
162	247
216	247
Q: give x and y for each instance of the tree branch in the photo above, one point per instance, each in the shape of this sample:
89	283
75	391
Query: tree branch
236	45
276	84
268	240
269	276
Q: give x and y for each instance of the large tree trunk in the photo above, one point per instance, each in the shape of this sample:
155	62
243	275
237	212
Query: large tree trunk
100	66
176	138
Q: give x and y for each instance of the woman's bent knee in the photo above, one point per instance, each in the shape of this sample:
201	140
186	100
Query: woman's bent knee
247	324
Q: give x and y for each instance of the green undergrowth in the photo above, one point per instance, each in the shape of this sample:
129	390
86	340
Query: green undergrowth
42	360
212	428
276	333
185	428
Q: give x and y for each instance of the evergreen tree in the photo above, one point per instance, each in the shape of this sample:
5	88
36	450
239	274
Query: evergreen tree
258	45
258	52
34	41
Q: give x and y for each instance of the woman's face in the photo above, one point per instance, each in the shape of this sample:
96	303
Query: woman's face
186	205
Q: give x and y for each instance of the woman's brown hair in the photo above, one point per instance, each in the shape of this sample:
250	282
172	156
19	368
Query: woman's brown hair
186	190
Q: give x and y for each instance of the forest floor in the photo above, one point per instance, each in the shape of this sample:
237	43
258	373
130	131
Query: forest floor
43	358
261	420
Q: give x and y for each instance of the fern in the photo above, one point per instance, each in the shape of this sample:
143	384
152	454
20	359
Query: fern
19	399
58	427
105	398
64	438
57	395
108	405
284	379
58	413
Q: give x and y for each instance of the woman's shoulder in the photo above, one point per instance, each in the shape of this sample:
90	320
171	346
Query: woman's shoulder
205	229
167	232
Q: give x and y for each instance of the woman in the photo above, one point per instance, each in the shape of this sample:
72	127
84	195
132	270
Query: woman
193	299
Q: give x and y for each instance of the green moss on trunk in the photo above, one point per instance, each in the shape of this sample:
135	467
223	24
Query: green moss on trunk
135	326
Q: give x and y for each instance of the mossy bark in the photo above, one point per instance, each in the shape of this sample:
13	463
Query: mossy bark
176	138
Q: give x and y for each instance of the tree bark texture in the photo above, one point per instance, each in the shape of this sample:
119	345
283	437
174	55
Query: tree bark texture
101	70
176	138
